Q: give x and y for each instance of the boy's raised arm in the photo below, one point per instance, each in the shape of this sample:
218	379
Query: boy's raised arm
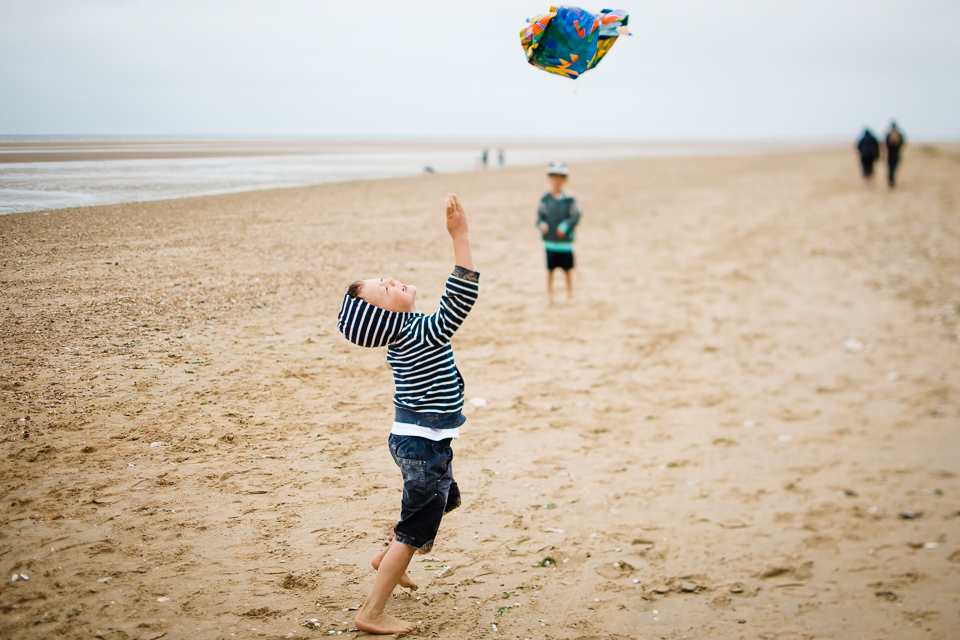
462	286
458	230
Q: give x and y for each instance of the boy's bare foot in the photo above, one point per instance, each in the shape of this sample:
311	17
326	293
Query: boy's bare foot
383	624
405	580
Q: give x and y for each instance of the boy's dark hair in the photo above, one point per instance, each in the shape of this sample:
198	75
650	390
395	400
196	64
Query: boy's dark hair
354	289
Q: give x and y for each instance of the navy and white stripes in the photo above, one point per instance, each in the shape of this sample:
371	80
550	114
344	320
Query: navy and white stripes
368	326
418	345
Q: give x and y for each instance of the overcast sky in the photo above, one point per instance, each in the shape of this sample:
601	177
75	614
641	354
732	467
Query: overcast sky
694	69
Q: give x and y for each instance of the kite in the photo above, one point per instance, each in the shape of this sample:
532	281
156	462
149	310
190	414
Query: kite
569	41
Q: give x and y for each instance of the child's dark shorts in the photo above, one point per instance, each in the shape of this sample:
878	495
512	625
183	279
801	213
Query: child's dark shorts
559	260
429	490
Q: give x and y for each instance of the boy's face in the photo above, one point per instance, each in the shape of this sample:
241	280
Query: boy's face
389	294
556	181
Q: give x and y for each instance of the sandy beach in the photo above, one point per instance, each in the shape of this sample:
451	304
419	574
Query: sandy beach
746	425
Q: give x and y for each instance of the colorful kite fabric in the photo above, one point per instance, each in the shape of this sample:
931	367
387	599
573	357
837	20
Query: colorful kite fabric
569	41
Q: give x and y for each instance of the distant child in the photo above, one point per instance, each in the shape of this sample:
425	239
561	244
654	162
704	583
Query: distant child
382	312
557	220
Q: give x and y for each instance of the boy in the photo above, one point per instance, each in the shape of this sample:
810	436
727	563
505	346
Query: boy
557	219
382	312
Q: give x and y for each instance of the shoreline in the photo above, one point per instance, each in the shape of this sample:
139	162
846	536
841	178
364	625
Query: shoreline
41	149
109	172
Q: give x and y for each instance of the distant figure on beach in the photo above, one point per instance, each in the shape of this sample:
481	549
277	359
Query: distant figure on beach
894	144
500	157
382	312
557	219
485	158
869	149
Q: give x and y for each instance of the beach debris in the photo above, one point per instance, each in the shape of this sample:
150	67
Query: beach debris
163	599
552	505
546	562
444	571
106	579
774	572
14	577
749	424
478	402
785	438
52	516
893	376
911	515
737	587
636	581
850	493
269	458
853	345
930	545
553	530
887	595
159	444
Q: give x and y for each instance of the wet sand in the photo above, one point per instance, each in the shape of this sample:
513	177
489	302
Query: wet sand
716	440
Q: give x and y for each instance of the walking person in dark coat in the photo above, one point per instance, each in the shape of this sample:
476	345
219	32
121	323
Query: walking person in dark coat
895	141
869	149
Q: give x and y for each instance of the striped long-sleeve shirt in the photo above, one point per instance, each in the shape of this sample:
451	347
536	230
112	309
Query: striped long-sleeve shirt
418	350
425	374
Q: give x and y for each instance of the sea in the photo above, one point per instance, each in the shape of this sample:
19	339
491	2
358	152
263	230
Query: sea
40	173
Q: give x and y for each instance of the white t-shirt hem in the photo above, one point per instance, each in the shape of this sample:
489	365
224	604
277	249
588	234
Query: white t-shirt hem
402	429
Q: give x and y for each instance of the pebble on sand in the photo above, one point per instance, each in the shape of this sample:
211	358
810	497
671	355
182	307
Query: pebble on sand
853	345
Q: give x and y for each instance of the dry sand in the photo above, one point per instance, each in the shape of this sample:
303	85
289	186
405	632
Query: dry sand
689	450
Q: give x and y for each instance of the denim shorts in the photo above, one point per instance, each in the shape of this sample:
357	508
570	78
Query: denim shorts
429	490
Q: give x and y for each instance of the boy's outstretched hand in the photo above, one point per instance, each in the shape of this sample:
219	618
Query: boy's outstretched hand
458	230
456	218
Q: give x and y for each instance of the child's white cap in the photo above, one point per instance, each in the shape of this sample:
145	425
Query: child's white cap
558	169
